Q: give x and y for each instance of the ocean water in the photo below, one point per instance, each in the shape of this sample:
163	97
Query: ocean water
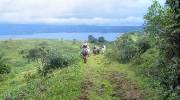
65	36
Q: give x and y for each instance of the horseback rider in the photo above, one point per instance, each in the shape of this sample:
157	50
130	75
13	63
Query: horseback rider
85	47
85	52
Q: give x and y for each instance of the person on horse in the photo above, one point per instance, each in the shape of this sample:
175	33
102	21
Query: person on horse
85	46
85	52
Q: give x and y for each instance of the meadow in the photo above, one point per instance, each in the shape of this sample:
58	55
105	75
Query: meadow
23	77
102	78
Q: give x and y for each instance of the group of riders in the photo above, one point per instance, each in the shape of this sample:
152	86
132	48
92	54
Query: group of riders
86	50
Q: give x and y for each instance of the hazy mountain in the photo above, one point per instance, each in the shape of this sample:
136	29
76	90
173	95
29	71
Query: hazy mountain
37	28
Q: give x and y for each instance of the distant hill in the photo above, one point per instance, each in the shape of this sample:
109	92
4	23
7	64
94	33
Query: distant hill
37	28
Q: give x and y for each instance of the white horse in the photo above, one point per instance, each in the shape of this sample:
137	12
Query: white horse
89	50
103	49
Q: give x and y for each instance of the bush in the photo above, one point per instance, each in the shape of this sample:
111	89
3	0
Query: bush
125	48
59	60
129	47
143	45
33	54
4	69
54	60
126	54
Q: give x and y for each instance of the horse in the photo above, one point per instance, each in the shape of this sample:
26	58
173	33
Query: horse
103	49
96	50
85	53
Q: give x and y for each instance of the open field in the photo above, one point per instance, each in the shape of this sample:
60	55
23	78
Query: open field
99	79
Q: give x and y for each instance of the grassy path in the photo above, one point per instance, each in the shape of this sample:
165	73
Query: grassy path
104	81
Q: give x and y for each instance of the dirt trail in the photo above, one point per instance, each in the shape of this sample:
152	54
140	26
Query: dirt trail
86	85
103	83
124	88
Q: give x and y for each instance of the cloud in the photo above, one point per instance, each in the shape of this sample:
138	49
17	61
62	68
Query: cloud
74	12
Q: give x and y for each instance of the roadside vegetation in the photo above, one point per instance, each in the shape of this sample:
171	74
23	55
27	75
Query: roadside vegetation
154	53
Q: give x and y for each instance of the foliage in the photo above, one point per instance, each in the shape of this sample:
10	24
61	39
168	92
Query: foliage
143	45
101	39
159	59
29	75
129	46
4	68
55	59
164	22
92	39
33	54
157	18
23	82
156	52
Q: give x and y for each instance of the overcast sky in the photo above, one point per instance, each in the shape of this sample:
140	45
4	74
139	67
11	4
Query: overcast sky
74	12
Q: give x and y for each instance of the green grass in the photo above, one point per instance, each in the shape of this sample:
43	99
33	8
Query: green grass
15	81
152	87
71	83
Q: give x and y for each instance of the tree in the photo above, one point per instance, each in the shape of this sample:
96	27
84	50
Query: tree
174	28
157	19
101	39
164	23
92	39
173	33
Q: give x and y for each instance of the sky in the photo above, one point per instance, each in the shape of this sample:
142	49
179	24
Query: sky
75	12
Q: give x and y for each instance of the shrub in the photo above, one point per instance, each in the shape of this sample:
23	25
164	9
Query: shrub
33	54
54	60
125	48
4	69
130	46
59	60
126	53
143	45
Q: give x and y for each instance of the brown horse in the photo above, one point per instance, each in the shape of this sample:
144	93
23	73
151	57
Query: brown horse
85	54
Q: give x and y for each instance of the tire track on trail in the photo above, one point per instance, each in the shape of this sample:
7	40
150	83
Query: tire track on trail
88	85
102	82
